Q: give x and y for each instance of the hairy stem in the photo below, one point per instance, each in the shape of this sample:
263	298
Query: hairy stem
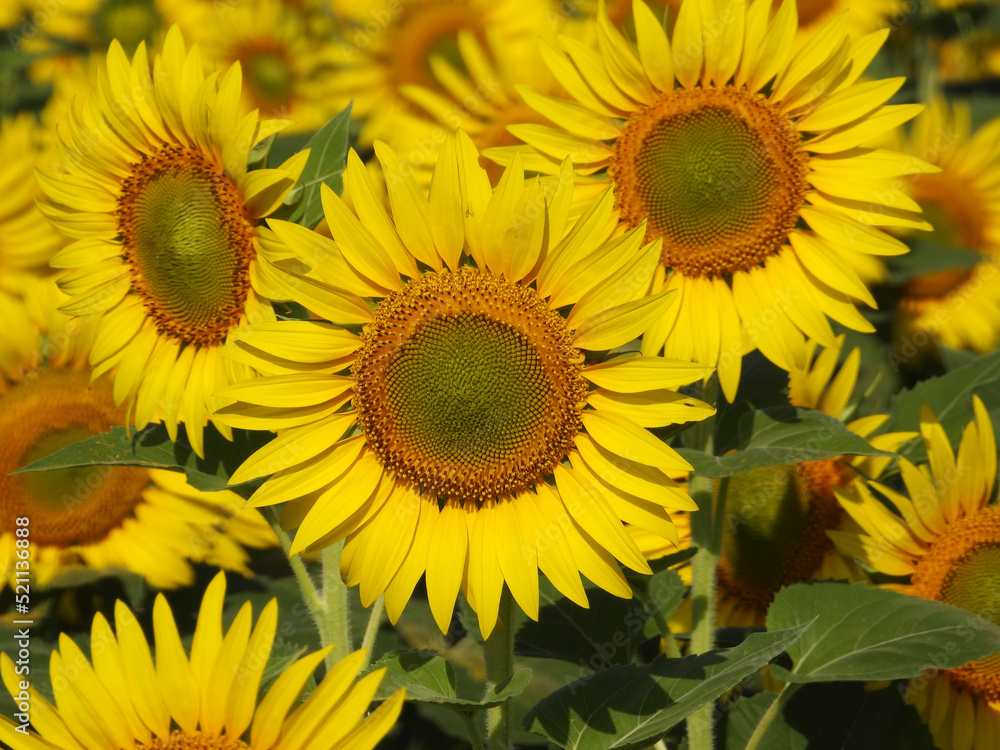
336	628
374	622
500	666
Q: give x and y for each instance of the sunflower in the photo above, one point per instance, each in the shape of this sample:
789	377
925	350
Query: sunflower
866	15
446	107
393	43
946	538
124	698
27	242
466	417
743	157
959	307
91	25
777	518
287	73
150	522
170	254
971	56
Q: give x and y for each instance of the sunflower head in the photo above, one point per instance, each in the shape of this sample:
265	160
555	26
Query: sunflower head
778	518
944	536
957	306
477	410
170	255
746	153
287	72
99	517
169	699
27	241
388	47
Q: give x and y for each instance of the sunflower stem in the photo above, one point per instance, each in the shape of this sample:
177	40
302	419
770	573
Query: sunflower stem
771	714
475	738
336	628
703	569
310	594
374	622
666	636
706	535
500	666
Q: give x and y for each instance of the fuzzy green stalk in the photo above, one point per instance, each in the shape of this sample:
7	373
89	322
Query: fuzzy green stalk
499	667
336	628
374	623
666	636
706	535
329	608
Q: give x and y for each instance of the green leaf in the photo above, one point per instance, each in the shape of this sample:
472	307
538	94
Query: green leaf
952	359
428	678
927	256
780	436
950	397
762	386
632	707
661	597
605	634
325	166
151	448
862	633
841	715
257	159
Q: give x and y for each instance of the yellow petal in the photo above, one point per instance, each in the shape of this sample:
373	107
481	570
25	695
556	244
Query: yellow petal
632	374
772	56
518	556
310	475
621	323
624	438
243	696
444	575
654	48
409	208
357	244
269	718
573	117
294	446
849	104
688	46
180	690
140	673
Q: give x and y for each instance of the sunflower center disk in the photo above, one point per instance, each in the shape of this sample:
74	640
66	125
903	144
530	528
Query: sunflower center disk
961	569
66	506
128	21
718	174
270	77
187	243
196	741
425	29
956	214
775	532
468	386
